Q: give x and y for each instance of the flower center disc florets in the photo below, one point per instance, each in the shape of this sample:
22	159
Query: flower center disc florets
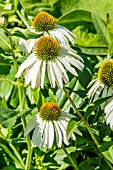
50	111
43	22
105	73
47	49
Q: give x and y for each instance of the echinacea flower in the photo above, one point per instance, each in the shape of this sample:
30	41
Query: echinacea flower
103	85
45	24
109	113
51	58
50	125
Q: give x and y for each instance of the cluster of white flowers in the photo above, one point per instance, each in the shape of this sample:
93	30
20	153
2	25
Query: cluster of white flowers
50	56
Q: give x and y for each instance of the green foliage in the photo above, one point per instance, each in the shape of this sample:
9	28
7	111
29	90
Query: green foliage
92	23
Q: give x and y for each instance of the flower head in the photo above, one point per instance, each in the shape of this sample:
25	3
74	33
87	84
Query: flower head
103	85
50	125
50	58
45	24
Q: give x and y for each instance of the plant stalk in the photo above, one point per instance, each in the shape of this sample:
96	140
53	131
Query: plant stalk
87	125
69	157
30	149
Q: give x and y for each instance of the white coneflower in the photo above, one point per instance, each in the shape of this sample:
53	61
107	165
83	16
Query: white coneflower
109	113
45	24
103	85
50	58
50	125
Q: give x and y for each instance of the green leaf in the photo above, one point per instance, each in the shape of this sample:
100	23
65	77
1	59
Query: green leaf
14	97
71	128
4	41
25	33
60	154
91	107
10	154
6	88
8	117
107	149
52	96
11	167
101	28
69	20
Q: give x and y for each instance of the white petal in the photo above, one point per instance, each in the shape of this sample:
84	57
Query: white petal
58	75
58	135
74	62
30	44
50	134
64	74
108	107
68	67
34	72
51	75
97	93
29	61
43	74
63	133
45	135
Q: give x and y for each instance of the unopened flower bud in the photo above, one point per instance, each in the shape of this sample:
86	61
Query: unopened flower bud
3	21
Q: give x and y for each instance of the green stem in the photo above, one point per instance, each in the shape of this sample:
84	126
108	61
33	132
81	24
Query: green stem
87	125
79	114
12	49
11	82
69	157
22	18
13	148
30	149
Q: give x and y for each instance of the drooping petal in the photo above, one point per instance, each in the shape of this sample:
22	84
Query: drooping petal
43	69
58	75
29	61
64	74
50	134
34	72
58	135
68	67
63	130
51	75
